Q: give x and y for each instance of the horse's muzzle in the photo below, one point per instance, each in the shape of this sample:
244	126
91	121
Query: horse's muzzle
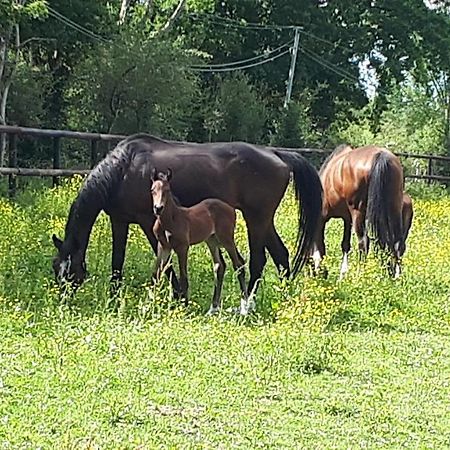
157	210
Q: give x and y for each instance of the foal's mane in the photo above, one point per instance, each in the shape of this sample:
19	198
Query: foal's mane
339	149
100	186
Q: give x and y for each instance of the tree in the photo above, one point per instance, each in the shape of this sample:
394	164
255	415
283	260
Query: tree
237	111
136	84
12	15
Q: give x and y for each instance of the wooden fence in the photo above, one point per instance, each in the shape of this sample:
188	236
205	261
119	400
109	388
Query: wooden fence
93	139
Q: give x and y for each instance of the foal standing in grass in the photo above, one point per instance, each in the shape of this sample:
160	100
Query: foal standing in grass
176	228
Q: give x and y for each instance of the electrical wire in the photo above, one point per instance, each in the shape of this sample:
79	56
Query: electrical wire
328	65
248	66
218	20
58	16
244	61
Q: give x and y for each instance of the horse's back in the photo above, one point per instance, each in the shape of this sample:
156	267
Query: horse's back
236	172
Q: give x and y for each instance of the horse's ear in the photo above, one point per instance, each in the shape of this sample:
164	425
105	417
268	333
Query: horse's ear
154	174
169	174
57	242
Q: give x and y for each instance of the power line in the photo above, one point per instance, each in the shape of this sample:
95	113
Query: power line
244	61
330	66
58	16
248	66
224	21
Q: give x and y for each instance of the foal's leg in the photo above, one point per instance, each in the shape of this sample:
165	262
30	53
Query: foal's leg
219	271
227	240
345	245
162	258
147	227
278	251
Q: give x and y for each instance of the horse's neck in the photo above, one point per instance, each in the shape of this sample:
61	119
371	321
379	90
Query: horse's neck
170	214
81	220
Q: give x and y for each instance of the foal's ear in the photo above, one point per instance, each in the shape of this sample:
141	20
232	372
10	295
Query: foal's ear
169	174
154	174
57	242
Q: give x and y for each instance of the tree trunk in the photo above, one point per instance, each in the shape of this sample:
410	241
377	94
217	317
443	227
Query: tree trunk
6	77
123	11
173	18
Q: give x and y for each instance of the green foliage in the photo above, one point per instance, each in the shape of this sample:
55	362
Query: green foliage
28	95
133	85
238	111
294	127
411	123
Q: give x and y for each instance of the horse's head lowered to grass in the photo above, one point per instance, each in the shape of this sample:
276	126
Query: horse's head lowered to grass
69	264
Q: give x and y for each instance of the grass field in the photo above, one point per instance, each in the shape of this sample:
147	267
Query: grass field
363	363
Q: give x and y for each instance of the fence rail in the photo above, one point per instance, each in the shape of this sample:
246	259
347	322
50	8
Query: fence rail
13	171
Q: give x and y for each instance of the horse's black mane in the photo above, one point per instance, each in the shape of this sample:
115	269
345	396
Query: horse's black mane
100	185
336	151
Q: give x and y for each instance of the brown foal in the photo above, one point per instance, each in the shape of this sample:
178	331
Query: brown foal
177	228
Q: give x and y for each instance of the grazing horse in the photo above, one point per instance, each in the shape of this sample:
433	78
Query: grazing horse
364	187
177	228
250	178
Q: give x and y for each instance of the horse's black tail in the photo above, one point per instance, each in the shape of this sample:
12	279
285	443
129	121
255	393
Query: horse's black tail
308	192
383	216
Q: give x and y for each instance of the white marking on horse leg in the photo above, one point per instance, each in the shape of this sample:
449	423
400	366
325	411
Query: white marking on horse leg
316	258
344	266
213	310
247	306
398	270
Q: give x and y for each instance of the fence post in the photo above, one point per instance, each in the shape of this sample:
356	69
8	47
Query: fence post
56	157
430	169
94	152
12	160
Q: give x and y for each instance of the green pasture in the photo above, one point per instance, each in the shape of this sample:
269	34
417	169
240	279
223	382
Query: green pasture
362	363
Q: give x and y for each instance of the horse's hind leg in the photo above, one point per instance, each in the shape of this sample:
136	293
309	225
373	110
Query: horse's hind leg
345	246
256	229
278	251
219	271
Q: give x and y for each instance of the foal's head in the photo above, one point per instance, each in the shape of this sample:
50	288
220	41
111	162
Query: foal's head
160	190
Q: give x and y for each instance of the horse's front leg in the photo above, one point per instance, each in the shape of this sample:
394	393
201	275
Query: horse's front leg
182	253
119	243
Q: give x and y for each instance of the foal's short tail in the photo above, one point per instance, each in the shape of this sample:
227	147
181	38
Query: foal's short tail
384	202
308	192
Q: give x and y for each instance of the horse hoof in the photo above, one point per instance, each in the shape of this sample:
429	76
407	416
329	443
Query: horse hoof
247	307
212	311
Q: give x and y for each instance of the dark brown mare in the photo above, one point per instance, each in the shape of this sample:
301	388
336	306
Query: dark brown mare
247	177
177	228
364	187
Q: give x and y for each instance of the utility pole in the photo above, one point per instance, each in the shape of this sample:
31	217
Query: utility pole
290	82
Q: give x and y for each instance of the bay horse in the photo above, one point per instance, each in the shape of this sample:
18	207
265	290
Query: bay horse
177	228
250	178
364	187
